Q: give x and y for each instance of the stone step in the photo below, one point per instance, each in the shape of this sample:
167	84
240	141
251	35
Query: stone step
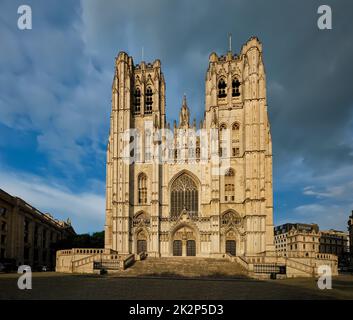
186	267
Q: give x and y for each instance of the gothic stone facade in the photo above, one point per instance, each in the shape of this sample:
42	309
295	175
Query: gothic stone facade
198	201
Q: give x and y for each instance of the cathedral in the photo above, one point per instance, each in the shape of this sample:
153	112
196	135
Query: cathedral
185	189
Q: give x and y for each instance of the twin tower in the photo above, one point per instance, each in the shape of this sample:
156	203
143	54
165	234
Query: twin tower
191	191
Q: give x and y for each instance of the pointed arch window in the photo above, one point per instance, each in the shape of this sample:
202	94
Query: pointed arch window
148	145
184	195
222	88
142	188
229	185
149	100
230	217
223	140
235	88
141	218
235	139
137	101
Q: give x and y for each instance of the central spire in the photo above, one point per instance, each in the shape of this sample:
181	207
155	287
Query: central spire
184	114
230	42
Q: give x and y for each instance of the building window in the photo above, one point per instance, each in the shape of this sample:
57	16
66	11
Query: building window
137	101
229	185
230	217
137	147
149	100
44	256
35	236
235	88
148	142
222	88
26	253
235	152
2	211
223	140
142	189
2	253
184	195
235	139
44	239
26	231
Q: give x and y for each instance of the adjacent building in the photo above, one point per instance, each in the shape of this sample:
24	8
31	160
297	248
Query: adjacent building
297	239
300	239
335	242
27	235
350	231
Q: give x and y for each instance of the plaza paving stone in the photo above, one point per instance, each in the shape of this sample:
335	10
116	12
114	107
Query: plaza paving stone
66	286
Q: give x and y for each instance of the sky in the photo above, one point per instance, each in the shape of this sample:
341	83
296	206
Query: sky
55	95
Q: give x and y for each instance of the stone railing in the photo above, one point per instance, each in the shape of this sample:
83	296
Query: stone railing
76	264
141	255
64	252
326	256
128	261
104	261
242	262
300	266
81	259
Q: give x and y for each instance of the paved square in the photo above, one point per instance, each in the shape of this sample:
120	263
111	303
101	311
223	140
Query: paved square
63	286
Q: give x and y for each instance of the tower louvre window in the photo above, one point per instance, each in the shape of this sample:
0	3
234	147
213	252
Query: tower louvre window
142	189
137	101
235	88
229	185
223	140
149	100
235	139
222	88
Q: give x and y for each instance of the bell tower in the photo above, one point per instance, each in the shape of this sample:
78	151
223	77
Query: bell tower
235	104
118	177
138	109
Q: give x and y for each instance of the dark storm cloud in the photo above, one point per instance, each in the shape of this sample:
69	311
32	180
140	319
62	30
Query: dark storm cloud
55	81
309	71
309	81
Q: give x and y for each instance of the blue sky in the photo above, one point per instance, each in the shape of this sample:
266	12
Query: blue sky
55	91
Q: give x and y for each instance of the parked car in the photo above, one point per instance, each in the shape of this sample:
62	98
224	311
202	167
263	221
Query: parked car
8	265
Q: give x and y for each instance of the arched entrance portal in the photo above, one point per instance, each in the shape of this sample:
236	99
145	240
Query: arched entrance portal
177	248
141	242
231	247
190	248
184	242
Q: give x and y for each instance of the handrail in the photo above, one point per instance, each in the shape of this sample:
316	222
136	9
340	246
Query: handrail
300	266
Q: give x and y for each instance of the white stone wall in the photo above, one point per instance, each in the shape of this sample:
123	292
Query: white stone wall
252	167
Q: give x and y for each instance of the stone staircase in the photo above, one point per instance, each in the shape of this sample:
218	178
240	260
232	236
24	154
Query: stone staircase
185	267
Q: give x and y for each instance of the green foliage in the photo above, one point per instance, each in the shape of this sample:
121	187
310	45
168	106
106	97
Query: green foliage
94	240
